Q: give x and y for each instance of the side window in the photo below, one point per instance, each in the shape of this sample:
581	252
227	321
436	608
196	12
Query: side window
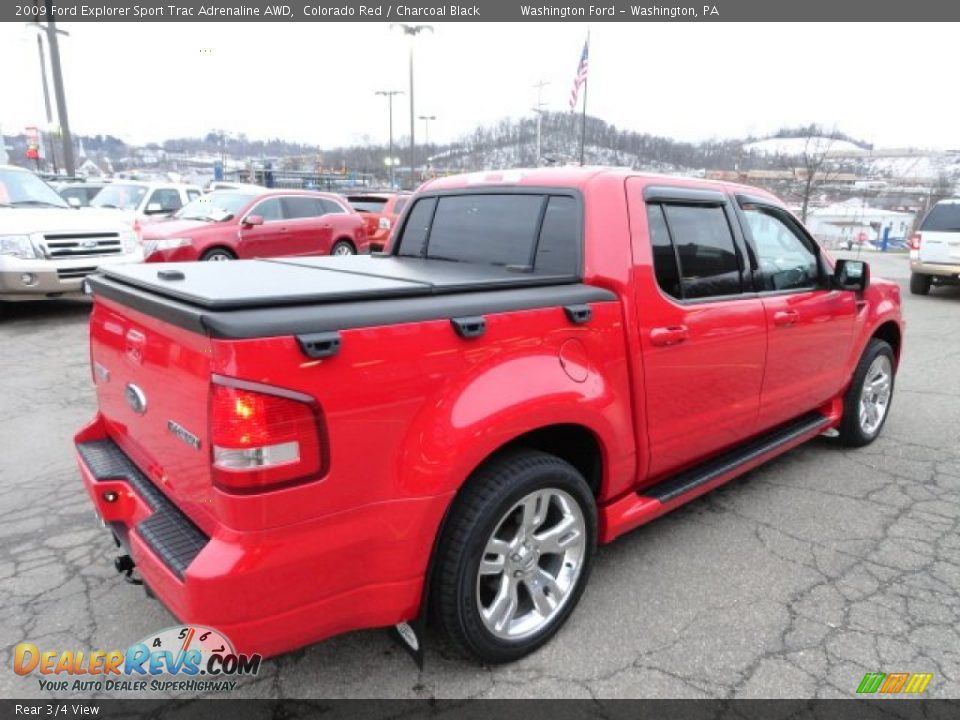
559	237
295	208
709	262
785	261
331	207
269	210
168	199
664	257
415	230
193	194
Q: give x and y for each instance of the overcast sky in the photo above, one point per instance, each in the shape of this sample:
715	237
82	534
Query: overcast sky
315	82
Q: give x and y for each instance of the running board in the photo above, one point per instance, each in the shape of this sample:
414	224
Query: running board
639	508
686	481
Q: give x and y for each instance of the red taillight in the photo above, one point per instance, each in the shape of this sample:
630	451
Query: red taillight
915	241
260	440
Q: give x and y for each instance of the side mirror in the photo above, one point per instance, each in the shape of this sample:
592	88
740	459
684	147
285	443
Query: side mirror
253	220
851	275
73	202
154	209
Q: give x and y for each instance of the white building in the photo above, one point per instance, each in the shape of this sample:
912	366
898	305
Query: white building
842	223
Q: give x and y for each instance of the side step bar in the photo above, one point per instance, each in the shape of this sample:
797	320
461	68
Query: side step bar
651	502
673	487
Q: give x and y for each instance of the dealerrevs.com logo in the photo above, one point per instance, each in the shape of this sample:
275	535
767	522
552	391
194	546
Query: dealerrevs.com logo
183	658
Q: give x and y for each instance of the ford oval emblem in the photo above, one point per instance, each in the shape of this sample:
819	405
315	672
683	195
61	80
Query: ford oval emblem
135	398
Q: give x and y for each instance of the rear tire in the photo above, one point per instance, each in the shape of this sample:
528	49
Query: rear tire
342	248
867	402
218	255
920	284
515	555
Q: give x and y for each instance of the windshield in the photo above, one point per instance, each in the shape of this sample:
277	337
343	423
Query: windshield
216	207
124	197
367	204
945	217
24	189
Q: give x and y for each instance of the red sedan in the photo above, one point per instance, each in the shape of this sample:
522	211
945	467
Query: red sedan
235	224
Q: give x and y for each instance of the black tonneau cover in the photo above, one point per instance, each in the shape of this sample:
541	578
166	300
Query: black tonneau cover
255	284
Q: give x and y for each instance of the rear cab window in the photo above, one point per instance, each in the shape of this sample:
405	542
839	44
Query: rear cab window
530	231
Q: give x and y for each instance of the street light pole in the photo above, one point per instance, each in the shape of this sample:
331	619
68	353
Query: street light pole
389	95
539	111
61	96
410	31
426	127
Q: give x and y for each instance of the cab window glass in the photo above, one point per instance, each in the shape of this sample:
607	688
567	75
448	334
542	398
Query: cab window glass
709	262
784	259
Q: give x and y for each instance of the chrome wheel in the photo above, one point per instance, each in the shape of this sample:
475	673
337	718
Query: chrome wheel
343	249
531	564
219	257
875	394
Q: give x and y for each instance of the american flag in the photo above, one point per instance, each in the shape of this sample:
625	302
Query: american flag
581	77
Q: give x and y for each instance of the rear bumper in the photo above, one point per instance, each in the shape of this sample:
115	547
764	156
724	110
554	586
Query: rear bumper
938	269
272	591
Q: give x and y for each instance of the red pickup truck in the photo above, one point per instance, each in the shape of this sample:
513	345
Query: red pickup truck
544	360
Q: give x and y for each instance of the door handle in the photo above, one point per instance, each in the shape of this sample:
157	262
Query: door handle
672	335
785	318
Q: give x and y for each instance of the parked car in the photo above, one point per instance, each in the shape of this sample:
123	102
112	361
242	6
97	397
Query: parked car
227	225
380	211
935	248
145	202
80	194
230	185
47	248
546	359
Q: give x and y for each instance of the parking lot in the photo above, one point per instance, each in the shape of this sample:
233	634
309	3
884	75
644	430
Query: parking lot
792	581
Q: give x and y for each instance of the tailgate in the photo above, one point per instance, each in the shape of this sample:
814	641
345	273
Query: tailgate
940	248
152	383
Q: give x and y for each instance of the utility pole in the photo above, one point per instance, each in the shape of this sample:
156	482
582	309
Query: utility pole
410	31
54	46
389	95
539	111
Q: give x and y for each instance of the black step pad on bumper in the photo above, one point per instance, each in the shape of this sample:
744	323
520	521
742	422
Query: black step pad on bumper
167	532
688	480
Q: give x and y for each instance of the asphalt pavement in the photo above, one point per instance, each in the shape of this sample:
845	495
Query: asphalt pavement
793	581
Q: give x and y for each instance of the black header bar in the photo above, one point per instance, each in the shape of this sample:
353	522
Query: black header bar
484	11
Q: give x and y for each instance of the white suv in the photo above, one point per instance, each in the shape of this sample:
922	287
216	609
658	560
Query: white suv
145	201
935	248
47	248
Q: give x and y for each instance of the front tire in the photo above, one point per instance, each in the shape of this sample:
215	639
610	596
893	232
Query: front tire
867	402
218	255
515	555
919	284
342	248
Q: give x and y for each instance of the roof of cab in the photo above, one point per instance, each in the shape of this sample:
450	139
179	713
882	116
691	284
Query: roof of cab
575	177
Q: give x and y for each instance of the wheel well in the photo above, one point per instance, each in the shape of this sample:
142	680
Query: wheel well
573	443
346	240
889	332
221	248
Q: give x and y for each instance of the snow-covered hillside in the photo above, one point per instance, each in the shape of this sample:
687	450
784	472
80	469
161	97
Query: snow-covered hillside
793	146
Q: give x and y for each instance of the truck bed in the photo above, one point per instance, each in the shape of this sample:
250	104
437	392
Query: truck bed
289	296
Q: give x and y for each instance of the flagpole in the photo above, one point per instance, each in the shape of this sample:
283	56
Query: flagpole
583	116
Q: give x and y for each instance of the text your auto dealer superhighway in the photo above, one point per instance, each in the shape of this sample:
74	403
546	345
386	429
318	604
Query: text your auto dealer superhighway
386	11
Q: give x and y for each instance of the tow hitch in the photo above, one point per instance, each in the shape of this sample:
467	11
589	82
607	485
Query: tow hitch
124	565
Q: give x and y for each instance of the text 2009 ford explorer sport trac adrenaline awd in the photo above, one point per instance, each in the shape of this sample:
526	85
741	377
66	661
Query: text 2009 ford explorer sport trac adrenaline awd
542	361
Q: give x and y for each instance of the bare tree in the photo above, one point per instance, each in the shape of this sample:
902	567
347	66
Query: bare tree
812	167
